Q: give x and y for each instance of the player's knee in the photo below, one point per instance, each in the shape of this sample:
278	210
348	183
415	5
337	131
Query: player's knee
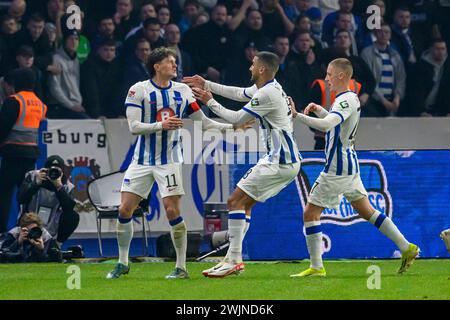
126	210
172	212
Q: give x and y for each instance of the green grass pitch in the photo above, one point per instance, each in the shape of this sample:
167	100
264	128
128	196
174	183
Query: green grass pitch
427	279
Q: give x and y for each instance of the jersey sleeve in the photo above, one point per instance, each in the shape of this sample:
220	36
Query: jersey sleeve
134	97
192	105
250	91
344	106
259	105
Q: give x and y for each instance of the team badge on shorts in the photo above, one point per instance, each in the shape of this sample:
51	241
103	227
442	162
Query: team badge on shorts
126	182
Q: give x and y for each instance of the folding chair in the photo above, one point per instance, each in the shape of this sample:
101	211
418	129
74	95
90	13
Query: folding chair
104	194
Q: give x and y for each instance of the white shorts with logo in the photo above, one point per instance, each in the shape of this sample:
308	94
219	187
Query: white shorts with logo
139	179
264	181
328	190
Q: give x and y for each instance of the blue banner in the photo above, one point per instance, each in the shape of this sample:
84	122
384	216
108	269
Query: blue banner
411	187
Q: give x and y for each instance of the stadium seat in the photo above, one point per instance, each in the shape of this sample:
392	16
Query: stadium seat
104	194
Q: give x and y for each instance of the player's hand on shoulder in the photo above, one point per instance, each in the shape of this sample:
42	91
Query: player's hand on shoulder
312	107
172	123
194	81
202	95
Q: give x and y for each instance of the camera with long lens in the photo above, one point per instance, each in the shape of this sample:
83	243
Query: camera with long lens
34	233
54	173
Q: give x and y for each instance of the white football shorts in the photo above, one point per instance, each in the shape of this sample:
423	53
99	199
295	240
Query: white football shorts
328	190
139	179
264	181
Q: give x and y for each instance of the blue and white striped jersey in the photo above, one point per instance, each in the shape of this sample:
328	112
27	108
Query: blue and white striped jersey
340	154
157	104
269	105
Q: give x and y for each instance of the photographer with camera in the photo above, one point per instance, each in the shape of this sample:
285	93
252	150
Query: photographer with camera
49	193
29	242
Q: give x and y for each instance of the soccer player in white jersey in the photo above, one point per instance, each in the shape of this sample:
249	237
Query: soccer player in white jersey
273	172
154	111
341	173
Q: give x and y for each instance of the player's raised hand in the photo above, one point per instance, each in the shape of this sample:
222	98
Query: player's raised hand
312	107
172	123
202	95
194	81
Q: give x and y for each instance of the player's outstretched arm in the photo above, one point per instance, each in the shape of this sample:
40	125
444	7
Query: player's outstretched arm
318	110
233	93
234	117
139	128
325	124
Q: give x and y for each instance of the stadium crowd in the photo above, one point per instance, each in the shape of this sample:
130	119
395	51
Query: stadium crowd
401	69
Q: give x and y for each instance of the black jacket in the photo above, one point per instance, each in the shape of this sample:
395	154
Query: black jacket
41	47
100	87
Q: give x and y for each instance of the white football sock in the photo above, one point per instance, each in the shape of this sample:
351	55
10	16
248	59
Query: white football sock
314	243
247	225
124	236
236	227
179	240
389	229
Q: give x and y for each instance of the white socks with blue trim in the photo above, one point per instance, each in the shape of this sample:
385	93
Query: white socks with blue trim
388	228
236	228
124	236
179	240
313	232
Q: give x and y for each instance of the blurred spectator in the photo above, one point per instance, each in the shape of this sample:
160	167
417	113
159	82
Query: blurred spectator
300	8
240	15
184	61
8	25
315	21
105	31
369	35
6	86
100	82
146	11
429	83
326	6
151	31
66	101
307	69
20	118
408	42
210	44
237	72
50	195
25	59
191	9
17	10
53	13
124	18
24	244
201	18
136	68
50	29
330	22
361	71
276	22
208	4
163	16
303	23
343	22
34	36
252	31
389	72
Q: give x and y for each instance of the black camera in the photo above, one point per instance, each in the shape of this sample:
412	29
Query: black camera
54	173
34	233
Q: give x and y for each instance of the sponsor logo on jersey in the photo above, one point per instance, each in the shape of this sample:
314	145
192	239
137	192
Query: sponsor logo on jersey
164	114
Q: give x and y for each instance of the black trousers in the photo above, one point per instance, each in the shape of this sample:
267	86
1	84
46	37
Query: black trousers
12	173
67	224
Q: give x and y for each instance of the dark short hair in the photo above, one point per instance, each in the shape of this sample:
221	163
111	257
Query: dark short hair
158	55
342	31
150	21
162	6
107	43
36	17
25	51
437	40
142	40
191	3
402	8
270	60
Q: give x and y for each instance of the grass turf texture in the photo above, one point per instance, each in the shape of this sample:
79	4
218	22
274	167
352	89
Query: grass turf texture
427	279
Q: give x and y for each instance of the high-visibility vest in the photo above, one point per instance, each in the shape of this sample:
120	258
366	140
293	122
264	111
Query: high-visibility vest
329	96
32	111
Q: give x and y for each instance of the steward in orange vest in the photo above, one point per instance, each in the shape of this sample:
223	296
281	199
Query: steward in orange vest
326	99
20	117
